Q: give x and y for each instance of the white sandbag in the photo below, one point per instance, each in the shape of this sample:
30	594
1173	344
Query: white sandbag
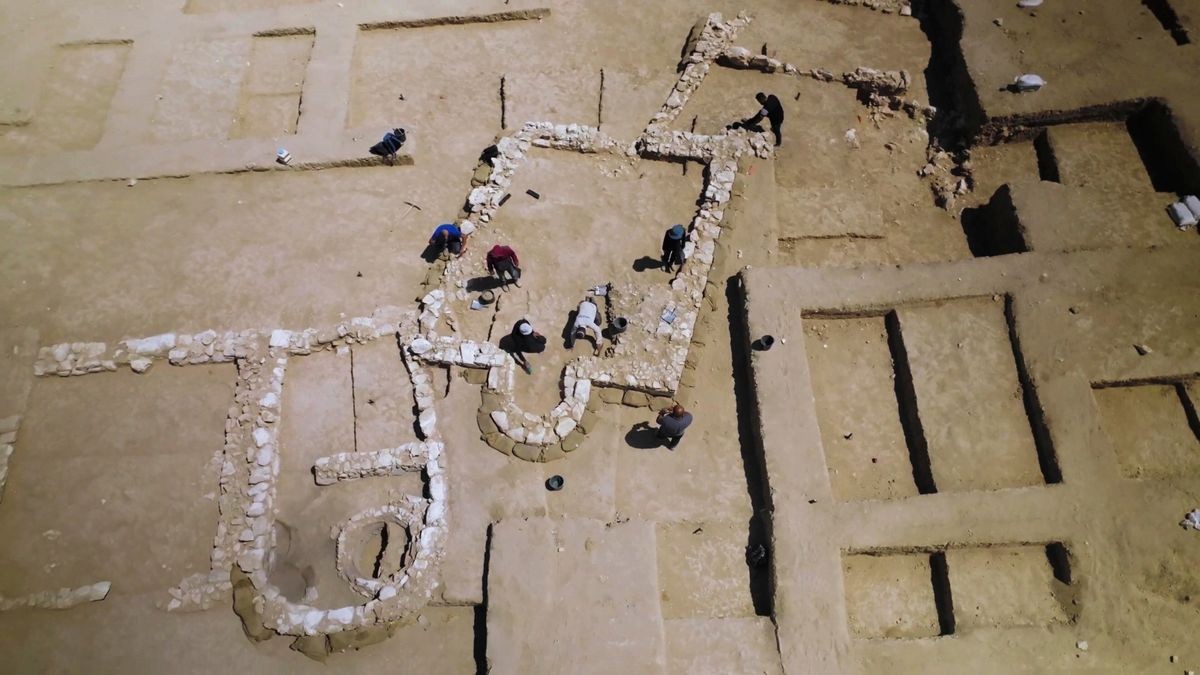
1193	204
1181	215
1028	82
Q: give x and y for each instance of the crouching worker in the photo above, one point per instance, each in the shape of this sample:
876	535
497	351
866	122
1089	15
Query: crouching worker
672	422
390	145
524	340
447	237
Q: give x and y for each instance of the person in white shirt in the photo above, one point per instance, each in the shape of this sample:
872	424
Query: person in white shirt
585	322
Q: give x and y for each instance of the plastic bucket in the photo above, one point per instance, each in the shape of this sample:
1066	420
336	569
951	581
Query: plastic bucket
764	343
619	325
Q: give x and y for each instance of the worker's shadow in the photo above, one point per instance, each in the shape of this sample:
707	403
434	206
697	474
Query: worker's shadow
642	436
646	263
432	252
483	284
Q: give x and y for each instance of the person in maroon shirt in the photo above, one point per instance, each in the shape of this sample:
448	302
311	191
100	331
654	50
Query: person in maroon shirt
501	261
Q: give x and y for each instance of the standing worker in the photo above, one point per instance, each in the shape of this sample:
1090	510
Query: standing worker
585	322
772	110
390	145
525	340
672	422
672	248
502	260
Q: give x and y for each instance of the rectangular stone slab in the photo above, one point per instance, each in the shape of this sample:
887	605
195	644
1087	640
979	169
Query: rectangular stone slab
573	595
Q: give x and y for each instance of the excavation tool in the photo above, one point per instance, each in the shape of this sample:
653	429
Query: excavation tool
411	206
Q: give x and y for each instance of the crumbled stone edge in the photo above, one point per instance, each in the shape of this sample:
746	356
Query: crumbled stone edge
8	439
63	598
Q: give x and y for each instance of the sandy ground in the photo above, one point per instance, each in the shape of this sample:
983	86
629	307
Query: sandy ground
956	461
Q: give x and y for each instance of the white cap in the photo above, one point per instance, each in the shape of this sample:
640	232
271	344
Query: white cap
467	227
526	328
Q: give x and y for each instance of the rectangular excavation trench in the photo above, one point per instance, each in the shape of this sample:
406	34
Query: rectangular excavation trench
1152	426
930	592
875	402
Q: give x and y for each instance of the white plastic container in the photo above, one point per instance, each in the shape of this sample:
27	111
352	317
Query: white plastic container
1193	204
1181	215
283	157
1028	82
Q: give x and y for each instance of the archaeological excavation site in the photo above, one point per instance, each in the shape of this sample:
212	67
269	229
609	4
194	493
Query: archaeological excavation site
600	337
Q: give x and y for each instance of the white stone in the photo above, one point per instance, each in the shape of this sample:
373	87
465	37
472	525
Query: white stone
140	365
280	337
342	615
387	592
261	436
155	345
437	488
265	455
256	509
468	351
436	512
501	419
536	435
269	400
312	619
420	346
564	427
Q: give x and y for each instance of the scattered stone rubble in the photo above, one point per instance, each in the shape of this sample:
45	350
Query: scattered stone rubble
63	598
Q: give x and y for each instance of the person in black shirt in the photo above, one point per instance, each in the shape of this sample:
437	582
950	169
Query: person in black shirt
524	340
672	248
772	110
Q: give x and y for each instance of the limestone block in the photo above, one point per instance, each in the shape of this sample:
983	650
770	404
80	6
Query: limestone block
500	442
315	647
536	435
636	399
587	423
280	338
486	424
140	364
243	605
611	395
500	418
564	427
527	452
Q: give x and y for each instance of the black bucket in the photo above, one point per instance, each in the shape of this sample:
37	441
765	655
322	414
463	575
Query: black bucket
555	483
764	343
619	325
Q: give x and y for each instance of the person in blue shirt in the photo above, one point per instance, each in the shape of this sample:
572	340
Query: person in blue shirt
447	237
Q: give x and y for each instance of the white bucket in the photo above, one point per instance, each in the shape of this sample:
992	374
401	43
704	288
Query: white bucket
1193	204
1028	82
1181	215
